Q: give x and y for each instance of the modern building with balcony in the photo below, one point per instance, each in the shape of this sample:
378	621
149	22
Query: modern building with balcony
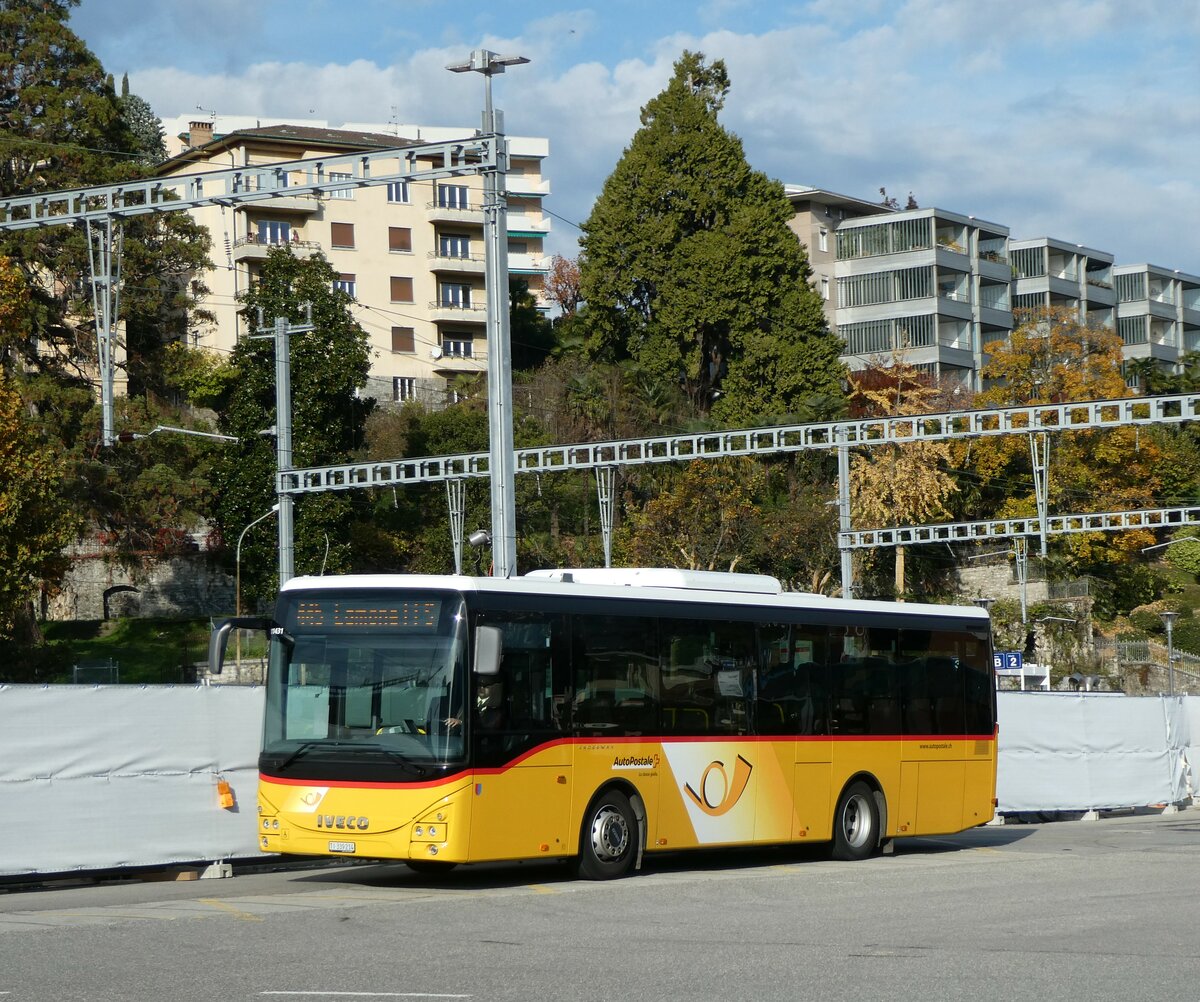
410	253
818	214
936	287
927	285
1049	273
1158	313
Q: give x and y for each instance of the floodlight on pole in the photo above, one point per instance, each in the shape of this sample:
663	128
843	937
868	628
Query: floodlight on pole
501	458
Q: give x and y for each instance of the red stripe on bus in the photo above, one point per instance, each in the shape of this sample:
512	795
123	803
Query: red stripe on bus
624	740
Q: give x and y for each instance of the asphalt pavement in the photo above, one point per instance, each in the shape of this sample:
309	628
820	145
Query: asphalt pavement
1067	910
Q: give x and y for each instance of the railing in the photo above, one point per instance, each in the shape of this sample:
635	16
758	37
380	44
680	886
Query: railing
1080	588
1149	652
252	240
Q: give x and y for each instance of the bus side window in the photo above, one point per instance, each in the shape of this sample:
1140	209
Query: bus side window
616	675
520	708
883	683
792	696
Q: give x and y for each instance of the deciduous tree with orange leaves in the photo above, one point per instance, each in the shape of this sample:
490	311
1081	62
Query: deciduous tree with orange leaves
1052	358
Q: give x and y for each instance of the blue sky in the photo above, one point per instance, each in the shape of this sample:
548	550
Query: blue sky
1075	119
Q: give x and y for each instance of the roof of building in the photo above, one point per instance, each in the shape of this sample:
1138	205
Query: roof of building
823	196
296	135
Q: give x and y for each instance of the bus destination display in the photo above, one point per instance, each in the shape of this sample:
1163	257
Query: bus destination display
420	615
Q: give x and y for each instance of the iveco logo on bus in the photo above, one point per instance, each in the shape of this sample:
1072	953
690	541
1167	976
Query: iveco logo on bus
342	821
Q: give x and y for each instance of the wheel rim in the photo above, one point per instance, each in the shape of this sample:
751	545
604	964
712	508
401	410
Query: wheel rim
857	821
610	834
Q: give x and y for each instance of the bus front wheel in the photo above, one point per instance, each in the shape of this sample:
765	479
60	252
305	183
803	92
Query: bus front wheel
856	823
608	839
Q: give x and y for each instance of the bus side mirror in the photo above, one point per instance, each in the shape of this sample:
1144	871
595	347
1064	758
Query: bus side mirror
219	638
489	643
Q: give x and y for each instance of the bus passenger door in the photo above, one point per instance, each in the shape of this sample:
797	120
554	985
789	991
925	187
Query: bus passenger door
793	711
520	797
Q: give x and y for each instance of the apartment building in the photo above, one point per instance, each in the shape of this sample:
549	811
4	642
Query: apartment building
817	215
1056	273
1158	313
932	284
410	253
939	286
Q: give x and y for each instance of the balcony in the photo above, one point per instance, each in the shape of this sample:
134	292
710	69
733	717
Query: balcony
519	185
457	313
456	264
518	222
528	264
463	215
250	248
301	204
451	364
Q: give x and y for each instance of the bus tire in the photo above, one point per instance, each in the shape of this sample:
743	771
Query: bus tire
608	839
430	866
856	823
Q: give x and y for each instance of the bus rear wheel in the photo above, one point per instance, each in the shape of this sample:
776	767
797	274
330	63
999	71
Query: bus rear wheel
856	823
608	839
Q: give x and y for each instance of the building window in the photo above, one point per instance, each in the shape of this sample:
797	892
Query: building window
885	287
1131	287
404	340
341	235
885	238
823	240
399	240
346	284
1133	330
454	294
404	388
272	231
343	192
825	289
458	345
454	245
518	246
453	196
397	191
402	290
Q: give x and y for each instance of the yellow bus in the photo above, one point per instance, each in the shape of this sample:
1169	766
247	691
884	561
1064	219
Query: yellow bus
604	714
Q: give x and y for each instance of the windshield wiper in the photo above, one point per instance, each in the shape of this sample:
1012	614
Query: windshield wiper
307	746
401	760
397	757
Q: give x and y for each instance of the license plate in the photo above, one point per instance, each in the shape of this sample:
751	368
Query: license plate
341	847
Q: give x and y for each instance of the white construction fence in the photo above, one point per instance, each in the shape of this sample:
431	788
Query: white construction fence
104	777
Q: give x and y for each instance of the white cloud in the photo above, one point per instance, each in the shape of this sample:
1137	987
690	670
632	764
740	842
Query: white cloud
1076	119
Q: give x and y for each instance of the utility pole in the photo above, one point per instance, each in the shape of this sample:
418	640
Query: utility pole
104	256
282	332
501	460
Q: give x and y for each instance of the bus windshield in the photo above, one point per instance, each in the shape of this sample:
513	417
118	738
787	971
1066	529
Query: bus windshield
372	680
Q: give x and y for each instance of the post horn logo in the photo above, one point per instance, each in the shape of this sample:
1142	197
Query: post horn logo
730	791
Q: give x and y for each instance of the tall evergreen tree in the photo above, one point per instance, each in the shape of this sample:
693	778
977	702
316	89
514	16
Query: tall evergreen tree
328	364
689	267
145	126
63	126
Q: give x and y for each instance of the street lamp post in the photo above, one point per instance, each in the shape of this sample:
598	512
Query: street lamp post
501	461
237	560
1168	619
